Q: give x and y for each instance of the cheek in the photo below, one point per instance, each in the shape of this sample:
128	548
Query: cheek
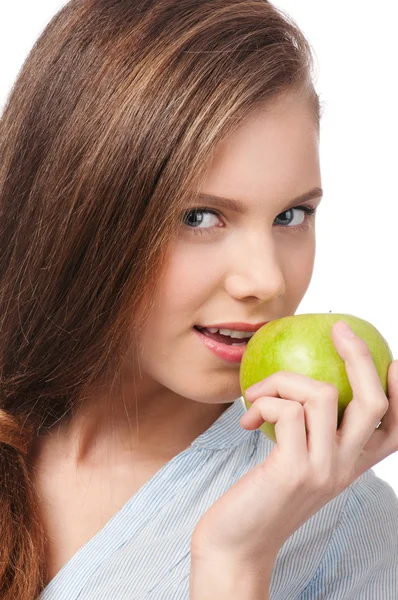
298	267
188	280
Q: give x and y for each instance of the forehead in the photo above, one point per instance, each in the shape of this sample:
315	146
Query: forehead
273	154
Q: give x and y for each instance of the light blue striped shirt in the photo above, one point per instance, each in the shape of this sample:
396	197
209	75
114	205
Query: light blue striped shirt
347	550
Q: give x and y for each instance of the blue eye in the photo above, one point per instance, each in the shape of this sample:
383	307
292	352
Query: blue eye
307	210
193	218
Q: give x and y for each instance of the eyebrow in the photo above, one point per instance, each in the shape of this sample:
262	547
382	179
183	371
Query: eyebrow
242	209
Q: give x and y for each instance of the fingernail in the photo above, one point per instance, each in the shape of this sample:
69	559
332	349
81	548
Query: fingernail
253	389
345	330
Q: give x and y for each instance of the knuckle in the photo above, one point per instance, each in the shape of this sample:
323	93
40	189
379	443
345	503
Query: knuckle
273	375
330	391
376	408
283	375
385	405
293	410
278	376
380	408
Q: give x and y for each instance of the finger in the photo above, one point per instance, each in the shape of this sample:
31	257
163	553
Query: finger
288	418
389	423
384	440
320	402
369	403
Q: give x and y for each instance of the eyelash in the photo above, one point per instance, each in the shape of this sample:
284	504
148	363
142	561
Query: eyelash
308	210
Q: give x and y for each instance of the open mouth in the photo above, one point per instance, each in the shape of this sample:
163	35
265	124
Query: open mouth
223	339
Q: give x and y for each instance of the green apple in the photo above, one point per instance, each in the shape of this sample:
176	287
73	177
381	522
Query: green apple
303	344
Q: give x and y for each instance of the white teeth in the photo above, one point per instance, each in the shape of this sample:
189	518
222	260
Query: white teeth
232	333
236	334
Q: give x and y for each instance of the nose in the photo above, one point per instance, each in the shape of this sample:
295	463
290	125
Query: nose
255	271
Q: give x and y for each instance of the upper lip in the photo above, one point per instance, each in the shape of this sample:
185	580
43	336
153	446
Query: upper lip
237	326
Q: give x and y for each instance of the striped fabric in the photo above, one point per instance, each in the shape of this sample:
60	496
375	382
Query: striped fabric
347	550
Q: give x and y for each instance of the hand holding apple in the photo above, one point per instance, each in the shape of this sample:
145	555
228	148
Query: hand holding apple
303	344
311	463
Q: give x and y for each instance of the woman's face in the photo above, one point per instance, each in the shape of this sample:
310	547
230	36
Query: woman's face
250	266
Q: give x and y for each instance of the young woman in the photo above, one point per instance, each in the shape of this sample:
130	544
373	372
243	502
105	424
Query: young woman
159	178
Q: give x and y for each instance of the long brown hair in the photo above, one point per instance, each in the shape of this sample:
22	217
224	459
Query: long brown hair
108	129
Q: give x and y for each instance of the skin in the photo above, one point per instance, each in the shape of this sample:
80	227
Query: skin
251	268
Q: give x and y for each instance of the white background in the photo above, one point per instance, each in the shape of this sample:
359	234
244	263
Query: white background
356	268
